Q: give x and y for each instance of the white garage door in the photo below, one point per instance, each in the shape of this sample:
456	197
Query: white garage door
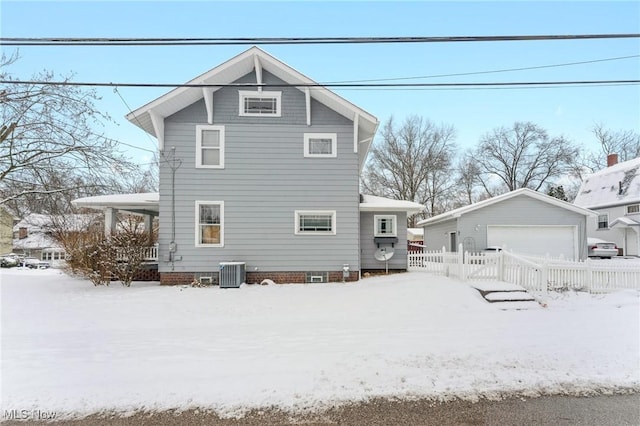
535	240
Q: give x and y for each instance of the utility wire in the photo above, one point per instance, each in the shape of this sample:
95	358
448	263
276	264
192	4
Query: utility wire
323	85
493	71
115	90
117	41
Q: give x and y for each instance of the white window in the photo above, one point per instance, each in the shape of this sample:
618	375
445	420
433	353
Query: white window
320	144
260	104
210	147
209	224
315	222
385	226
632	209
603	221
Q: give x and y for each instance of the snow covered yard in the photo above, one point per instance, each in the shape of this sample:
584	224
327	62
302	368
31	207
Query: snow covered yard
75	349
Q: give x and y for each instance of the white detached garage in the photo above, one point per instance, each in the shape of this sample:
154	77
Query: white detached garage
523	221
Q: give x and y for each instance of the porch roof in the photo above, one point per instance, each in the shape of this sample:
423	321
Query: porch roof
372	203
624	222
147	203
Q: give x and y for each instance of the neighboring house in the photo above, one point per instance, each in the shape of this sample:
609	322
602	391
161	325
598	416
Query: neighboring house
32	238
260	166
614	193
523	221
6	231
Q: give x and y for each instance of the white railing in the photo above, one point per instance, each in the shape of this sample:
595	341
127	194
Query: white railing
536	274
149	254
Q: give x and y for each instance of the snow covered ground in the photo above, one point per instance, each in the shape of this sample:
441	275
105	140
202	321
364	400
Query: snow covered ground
75	349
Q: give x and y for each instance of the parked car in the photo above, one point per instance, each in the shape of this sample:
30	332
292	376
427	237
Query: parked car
493	249
35	263
9	260
601	248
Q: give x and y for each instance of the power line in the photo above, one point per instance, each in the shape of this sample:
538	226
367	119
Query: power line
324	85
115	90
536	67
117	41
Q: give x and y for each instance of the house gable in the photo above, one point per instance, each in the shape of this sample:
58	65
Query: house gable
254	62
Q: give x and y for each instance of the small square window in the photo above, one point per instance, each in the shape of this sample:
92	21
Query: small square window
210	147
259	104
315	222
385	226
320	145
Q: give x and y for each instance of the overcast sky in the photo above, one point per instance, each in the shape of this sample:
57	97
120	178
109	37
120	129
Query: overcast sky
568	111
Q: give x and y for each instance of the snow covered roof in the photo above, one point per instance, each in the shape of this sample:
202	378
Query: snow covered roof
39	229
146	202
150	116
517	193
624	222
372	203
415	233
616	185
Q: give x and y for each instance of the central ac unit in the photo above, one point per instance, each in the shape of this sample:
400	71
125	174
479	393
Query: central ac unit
232	274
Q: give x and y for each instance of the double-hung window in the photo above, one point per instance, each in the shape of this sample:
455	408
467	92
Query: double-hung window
315	222
209	224
320	145
603	221
210	147
385	226
260	104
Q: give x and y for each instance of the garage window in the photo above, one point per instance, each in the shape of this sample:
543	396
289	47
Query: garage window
633	209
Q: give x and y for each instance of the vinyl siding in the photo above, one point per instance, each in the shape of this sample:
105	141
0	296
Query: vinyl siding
437	236
522	210
264	181
368	247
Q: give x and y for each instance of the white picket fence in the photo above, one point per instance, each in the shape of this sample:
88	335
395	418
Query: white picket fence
536	275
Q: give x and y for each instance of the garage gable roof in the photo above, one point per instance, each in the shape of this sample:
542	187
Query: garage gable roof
522	192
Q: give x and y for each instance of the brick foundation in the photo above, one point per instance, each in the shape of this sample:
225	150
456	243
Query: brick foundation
179	278
176	278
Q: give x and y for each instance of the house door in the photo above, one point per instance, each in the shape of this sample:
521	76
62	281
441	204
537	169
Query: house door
453	245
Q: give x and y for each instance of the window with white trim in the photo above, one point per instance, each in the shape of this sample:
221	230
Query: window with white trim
210	147
320	145
260	104
633	209
209	224
603	221
315	222
385	225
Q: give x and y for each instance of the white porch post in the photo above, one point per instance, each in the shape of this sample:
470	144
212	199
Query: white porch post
148	227
110	218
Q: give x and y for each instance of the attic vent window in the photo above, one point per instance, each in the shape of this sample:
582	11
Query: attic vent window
260	104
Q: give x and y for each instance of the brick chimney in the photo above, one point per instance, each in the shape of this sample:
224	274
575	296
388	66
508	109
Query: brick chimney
612	160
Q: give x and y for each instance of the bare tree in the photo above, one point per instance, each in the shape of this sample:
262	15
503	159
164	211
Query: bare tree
50	150
468	173
624	143
412	162
523	156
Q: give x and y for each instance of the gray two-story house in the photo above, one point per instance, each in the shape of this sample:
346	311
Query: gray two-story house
260	166
614	193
